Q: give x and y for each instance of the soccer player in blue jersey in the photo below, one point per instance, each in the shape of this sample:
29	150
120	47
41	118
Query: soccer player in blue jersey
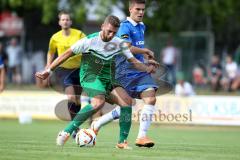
138	84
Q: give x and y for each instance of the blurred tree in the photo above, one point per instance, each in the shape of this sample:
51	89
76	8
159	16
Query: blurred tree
23	7
220	16
49	8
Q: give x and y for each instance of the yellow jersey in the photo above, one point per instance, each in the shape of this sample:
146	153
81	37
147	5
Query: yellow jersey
60	43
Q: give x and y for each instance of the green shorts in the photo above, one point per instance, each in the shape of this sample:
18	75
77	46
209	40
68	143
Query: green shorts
99	86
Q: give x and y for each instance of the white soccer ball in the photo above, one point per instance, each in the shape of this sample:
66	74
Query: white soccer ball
85	138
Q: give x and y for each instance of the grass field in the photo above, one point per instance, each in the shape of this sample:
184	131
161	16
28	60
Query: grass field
37	142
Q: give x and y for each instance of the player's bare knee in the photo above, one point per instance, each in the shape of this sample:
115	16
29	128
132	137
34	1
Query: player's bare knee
150	100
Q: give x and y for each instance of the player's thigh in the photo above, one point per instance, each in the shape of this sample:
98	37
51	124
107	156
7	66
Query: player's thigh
121	97
94	88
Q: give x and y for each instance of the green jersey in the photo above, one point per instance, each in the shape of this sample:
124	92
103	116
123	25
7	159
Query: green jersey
97	67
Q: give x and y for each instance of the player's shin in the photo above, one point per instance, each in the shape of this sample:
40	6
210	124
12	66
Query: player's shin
125	122
145	120
73	108
107	118
81	117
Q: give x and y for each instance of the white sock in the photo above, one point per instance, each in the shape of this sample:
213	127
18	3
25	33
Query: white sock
85	100
106	118
145	120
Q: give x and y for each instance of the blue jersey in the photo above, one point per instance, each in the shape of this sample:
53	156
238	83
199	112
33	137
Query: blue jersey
133	80
133	33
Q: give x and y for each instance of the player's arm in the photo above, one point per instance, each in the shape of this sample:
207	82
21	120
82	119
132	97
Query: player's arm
144	51
141	66
50	58
79	47
51	51
135	50
138	64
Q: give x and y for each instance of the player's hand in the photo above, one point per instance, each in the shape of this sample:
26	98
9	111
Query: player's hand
151	69
43	75
153	62
149	53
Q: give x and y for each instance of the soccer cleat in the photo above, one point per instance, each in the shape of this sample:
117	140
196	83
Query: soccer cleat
123	145
94	128
144	142
62	138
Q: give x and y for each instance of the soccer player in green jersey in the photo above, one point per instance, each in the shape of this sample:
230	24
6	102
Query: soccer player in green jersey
97	76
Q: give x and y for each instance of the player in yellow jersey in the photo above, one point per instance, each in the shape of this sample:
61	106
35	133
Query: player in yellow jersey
67	73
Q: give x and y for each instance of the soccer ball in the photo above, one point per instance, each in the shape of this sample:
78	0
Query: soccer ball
85	138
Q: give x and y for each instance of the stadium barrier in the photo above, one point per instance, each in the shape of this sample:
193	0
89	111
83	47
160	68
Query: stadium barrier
206	110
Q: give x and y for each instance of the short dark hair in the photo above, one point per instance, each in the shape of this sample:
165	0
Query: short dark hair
131	2
113	20
64	12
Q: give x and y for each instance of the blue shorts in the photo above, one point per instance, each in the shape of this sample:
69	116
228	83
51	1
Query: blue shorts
63	78
136	85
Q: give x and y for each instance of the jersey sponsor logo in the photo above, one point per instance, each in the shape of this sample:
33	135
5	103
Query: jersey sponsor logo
124	36
140	43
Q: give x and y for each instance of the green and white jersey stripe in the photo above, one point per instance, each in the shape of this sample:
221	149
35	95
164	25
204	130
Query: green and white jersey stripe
94	45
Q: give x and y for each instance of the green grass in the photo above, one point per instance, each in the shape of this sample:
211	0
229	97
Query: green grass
37	142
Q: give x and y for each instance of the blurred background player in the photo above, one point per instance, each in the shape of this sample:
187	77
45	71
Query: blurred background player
2	75
98	78
231	75
215	73
183	88
14	52
169	59
137	83
67	74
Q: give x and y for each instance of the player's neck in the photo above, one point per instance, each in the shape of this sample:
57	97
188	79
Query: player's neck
134	20
66	32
